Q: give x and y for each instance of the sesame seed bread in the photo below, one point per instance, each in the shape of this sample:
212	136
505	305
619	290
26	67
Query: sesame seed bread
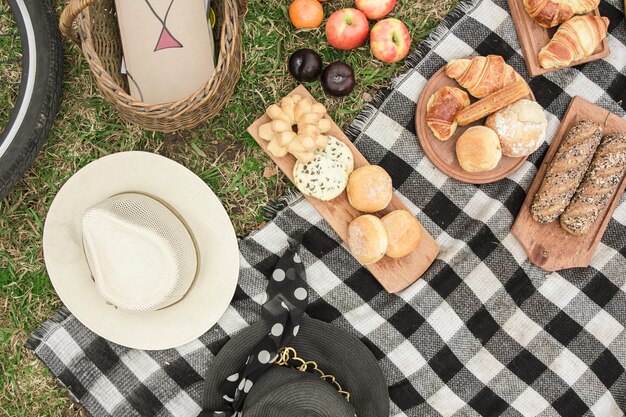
566	171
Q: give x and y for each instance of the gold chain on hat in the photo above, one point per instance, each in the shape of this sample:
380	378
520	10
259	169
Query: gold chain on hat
287	354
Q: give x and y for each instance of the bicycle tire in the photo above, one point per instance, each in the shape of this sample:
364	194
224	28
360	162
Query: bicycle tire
39	92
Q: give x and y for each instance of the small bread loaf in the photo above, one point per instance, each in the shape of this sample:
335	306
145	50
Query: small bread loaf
403	232
478	149
482	75
370	189
520	126
493	102
321	178
600	182
442	108
566	171
367	239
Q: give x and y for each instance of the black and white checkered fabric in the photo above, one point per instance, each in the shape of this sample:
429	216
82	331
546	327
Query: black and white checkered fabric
484	333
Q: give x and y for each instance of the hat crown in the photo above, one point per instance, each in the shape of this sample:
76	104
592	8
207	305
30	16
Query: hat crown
141	255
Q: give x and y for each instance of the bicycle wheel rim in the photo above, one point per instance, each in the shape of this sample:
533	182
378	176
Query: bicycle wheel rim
29	73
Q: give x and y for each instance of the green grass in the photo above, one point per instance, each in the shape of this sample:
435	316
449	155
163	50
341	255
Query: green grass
220	152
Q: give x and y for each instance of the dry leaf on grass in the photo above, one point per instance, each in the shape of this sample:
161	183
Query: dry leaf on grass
270	171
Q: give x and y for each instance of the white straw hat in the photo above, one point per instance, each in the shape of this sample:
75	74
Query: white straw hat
140	254
141	251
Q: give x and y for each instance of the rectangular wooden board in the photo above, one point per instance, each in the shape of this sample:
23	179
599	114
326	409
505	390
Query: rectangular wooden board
393	274
532	37
548	245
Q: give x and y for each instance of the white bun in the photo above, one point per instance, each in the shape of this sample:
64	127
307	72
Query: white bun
478	149
367	239
370	189
403	232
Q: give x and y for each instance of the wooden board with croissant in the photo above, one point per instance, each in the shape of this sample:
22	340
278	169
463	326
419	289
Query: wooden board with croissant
555	35
445	118
394	274
561	229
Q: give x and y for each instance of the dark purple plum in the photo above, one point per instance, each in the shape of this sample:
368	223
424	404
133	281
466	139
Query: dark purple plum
338	79
305	65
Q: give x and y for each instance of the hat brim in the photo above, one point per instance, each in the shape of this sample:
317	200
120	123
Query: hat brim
195	204
335	351
287	392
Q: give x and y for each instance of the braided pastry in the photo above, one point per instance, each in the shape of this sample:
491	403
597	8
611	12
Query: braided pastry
309	135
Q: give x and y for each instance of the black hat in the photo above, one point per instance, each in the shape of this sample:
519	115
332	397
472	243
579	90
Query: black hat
289	365
284	391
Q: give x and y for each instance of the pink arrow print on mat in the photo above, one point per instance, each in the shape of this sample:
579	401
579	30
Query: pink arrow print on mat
166	39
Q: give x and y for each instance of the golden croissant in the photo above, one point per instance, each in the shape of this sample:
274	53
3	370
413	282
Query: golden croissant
481	75
574	40
550	13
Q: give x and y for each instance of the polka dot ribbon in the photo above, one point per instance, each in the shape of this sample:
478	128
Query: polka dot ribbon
287	299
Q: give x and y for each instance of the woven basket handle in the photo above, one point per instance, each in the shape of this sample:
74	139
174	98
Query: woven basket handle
69	15
243	7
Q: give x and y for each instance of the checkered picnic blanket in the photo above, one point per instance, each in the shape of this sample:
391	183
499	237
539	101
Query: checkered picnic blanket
484	332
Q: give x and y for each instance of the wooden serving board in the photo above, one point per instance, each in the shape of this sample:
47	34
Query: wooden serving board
443	153
393	274
532	37
548	245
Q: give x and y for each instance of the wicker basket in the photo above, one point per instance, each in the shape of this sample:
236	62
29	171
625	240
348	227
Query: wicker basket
98	37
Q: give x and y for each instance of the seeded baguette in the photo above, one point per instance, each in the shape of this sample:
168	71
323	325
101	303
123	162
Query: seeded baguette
600	182
566	171
493	102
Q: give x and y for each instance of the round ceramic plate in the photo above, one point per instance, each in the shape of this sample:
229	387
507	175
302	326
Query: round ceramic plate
443	153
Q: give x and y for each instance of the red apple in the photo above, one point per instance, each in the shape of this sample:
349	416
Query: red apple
390	40
375	9
347	29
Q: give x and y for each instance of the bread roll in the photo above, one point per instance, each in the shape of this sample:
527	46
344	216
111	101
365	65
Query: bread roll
367	239
598	186
369	189
442	108
478	149
566	170
403	232
520	126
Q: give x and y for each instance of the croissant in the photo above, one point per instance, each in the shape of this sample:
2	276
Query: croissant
481	75
574	40
442	108
550	13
